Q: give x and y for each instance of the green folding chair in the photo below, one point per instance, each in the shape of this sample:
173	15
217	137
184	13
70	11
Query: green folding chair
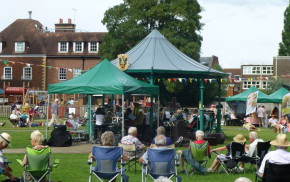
38	164
199	157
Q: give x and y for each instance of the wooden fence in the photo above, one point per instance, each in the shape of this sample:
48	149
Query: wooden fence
5	110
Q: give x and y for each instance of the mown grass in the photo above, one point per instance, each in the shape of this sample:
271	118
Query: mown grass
74	168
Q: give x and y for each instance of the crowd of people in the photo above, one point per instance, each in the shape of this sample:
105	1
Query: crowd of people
259	119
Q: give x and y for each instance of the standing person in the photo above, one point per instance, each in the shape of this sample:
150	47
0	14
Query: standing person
279	156
54	113
260	112
31	114
5	140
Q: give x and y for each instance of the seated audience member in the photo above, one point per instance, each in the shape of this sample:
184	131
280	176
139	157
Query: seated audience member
161	131
23	119
282	124
274	123
199	135
130	139
160	143
36	140
163	179
251	149
108	140
5	140
239	138
243	179
31	113
279	156
14	119
248	125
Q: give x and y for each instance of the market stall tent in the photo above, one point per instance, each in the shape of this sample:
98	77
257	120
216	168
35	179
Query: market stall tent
277	96
104	78
262	98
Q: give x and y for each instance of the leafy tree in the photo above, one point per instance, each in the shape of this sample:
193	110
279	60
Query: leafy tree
284	46
277	84
129	22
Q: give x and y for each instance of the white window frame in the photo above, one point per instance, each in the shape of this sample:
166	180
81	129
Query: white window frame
62	45
19	46
1	46
25	74
76	47
77	72
90	47
257	70
62	74
6	75
247	84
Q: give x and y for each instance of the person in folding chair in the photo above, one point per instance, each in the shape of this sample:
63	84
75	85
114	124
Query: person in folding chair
280	156
107	157
161	131
196	153
159	161
251	149
36	161
5	140
239	138
130	139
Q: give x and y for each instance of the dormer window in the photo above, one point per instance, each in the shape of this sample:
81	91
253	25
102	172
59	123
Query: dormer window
19	46
93	46
1	47
78	47
63	47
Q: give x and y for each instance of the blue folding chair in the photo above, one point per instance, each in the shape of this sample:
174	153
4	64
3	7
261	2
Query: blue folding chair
161	162
106	164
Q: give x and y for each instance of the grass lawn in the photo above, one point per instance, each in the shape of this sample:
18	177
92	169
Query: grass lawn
74	168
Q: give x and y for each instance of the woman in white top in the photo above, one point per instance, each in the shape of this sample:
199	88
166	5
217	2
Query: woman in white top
100	117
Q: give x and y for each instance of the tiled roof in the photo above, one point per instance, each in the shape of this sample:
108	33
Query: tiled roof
41	42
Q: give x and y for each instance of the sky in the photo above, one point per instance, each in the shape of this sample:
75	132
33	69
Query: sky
238	32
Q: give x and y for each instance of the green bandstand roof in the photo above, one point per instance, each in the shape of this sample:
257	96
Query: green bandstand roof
156	55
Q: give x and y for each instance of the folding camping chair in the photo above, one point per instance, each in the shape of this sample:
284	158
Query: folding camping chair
230	163
275	172
131	152
77	135
161	162
38	164
256	160
199	154
106	159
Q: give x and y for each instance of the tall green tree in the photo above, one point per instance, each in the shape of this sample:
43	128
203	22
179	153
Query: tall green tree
284	46
129	22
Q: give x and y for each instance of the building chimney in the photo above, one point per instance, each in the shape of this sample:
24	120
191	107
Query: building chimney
65	27
29	12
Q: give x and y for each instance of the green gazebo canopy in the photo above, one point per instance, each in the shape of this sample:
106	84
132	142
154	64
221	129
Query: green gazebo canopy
104	78
277	96
262	98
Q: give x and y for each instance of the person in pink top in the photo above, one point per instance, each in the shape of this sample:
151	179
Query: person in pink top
254	120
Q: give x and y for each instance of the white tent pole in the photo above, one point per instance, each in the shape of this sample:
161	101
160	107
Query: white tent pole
47	109
123	119
280	110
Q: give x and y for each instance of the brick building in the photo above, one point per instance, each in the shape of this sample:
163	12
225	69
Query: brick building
31	56
234	83
281	65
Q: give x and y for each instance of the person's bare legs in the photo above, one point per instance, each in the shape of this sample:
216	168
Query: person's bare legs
181	160
215	165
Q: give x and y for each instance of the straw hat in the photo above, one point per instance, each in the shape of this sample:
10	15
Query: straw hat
55	100
239	138
6	138
281	140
